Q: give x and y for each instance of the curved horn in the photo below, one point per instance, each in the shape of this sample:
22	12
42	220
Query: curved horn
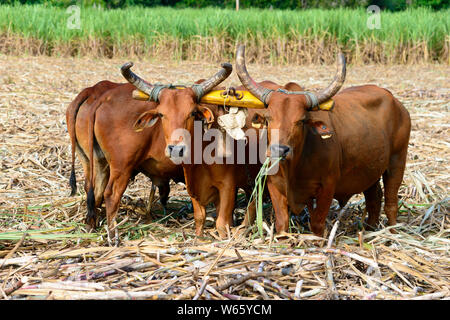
134	79
258	91
337	82
207	85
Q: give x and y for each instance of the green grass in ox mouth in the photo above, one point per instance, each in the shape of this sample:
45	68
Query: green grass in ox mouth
258	191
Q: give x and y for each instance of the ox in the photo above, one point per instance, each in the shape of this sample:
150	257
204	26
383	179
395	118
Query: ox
206	183
170	101
336	153
113	152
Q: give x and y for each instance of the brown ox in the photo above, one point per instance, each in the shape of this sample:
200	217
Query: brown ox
337	153
205	182
176	103
104	135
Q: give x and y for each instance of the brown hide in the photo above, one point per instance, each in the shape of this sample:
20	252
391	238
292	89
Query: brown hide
369	138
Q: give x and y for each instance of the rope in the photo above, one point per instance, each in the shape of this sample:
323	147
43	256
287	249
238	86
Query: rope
313	102
264	96
199	92
157	88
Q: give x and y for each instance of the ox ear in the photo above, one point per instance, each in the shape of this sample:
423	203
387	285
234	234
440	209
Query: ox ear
259	121
321	128
206	115
146	120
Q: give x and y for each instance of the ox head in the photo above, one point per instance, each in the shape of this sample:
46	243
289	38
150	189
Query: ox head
177	109
290	113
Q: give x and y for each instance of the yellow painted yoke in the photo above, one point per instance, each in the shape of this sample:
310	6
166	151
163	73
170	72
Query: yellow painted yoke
247	100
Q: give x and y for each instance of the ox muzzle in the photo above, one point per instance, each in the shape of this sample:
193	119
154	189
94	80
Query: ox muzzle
176	152
278	150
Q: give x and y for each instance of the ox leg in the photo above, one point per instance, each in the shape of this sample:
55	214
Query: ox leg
199	217
101	168
91	216
310	205
85	163
250	214
117	184
164	190
101	180
392	179
320	213
280	206
150	200
225	213
101	175
373	197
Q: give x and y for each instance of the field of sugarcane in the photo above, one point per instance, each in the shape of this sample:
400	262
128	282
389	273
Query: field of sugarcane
211	34
46	253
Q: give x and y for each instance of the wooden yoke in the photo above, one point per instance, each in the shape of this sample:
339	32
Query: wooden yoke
242	98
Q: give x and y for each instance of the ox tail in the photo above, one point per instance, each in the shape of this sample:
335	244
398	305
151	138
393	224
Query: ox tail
90	201
71	116
73	181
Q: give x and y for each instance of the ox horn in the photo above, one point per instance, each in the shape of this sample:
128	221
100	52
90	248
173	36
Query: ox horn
138	82
154	91
258	91
337	82
264	94
207	85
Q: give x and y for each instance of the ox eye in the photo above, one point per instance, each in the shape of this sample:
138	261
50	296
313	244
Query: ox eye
160	115
195	113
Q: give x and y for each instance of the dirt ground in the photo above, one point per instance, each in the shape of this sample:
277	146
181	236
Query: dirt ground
35	150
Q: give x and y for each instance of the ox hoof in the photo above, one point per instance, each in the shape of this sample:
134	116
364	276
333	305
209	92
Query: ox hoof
113	238
199	232
89	228
223	234
317	230
91	223
370	226
393	231
282	235
240	230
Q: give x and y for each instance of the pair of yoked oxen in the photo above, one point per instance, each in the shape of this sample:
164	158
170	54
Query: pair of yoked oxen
327	152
